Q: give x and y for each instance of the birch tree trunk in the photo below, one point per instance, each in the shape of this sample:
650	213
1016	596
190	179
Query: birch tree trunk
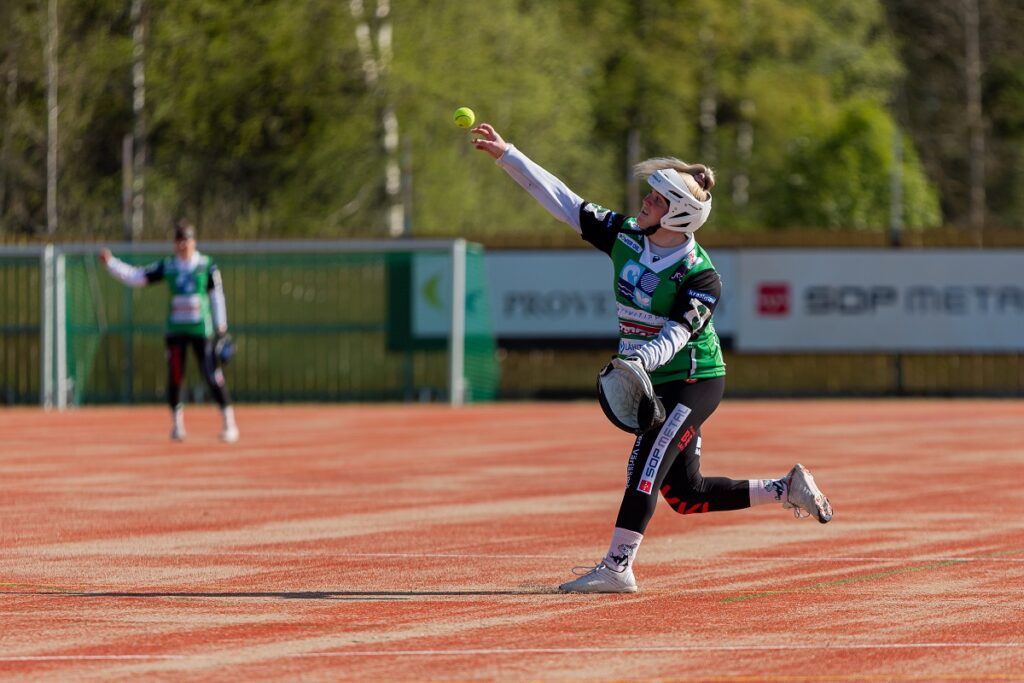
138	140
52	111
375	49
975	118
708	98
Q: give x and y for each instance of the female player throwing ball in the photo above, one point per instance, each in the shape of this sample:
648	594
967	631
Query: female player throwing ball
196	318
666	290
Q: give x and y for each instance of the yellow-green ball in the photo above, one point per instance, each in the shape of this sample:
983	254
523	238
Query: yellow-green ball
464	117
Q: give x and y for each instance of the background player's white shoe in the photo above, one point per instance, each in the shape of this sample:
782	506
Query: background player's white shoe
602	579
230	434
177	423
803	495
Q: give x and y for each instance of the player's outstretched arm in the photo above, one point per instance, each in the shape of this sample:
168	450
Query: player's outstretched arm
552	193
126	273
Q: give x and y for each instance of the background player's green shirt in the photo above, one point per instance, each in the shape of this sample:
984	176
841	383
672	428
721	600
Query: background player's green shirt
649	291
188	310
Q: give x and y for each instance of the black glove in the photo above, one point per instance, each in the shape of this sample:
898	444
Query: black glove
627	396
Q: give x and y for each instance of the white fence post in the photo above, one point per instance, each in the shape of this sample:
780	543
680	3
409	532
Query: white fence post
46	324
457	338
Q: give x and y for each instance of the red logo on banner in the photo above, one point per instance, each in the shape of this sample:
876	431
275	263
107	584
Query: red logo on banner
773	298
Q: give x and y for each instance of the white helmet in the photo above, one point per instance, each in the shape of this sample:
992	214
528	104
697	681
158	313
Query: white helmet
685	212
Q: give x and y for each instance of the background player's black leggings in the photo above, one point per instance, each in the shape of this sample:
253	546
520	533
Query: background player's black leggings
667	460
177	346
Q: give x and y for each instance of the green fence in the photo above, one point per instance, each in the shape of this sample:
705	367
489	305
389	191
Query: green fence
312	322
347	321
20	328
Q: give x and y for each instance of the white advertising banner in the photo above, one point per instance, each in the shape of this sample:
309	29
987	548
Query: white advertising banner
880	300
568	294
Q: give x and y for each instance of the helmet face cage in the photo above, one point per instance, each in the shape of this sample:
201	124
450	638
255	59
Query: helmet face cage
685	212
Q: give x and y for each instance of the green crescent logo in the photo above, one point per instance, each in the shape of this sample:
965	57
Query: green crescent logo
431	294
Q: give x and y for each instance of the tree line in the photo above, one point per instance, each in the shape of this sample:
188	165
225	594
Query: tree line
319	118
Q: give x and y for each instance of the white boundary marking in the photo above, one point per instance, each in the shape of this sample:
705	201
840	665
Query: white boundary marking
508	556
533	650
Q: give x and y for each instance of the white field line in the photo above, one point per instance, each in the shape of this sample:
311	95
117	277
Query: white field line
889	559
463	652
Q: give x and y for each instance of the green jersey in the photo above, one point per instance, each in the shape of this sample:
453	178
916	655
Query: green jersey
651	291
188	310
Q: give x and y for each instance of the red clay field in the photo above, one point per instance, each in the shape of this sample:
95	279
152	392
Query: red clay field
424	543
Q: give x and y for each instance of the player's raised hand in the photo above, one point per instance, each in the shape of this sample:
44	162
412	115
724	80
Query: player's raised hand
489	140
105	256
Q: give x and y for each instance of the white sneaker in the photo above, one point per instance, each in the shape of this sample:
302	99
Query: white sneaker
178	423
230	434
803	495
601	579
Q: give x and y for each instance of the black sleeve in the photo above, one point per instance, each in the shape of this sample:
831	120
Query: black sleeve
696	300
154	272
214	283
600	226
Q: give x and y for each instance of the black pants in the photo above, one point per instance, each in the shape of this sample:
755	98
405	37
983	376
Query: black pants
667	460
203	347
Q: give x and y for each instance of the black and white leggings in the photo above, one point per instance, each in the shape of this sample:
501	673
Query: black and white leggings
203	347
666	461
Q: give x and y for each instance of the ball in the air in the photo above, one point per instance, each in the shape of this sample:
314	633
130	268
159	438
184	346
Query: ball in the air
464	117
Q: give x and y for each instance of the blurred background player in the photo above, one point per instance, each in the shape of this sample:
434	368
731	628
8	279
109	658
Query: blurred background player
666	290
196	318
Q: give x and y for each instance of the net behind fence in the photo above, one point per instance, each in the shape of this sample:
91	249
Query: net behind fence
20	277
325	325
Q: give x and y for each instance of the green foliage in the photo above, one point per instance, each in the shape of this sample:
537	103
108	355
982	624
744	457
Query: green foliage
513	66
261	121
260	125
842	177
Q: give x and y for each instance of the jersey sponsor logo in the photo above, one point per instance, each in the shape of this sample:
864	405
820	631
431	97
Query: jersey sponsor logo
637	284
697	315
598	212
773	298
703	296
636	315
661	444
186	308
630	242
628	346
184	282
690	261
637	330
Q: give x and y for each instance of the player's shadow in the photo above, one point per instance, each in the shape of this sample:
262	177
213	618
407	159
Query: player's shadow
290	595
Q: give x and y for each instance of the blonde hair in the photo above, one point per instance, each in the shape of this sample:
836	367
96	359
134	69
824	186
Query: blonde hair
699	178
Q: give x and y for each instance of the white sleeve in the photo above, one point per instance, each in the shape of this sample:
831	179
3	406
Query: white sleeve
552	193
127	274
664	347
218	307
